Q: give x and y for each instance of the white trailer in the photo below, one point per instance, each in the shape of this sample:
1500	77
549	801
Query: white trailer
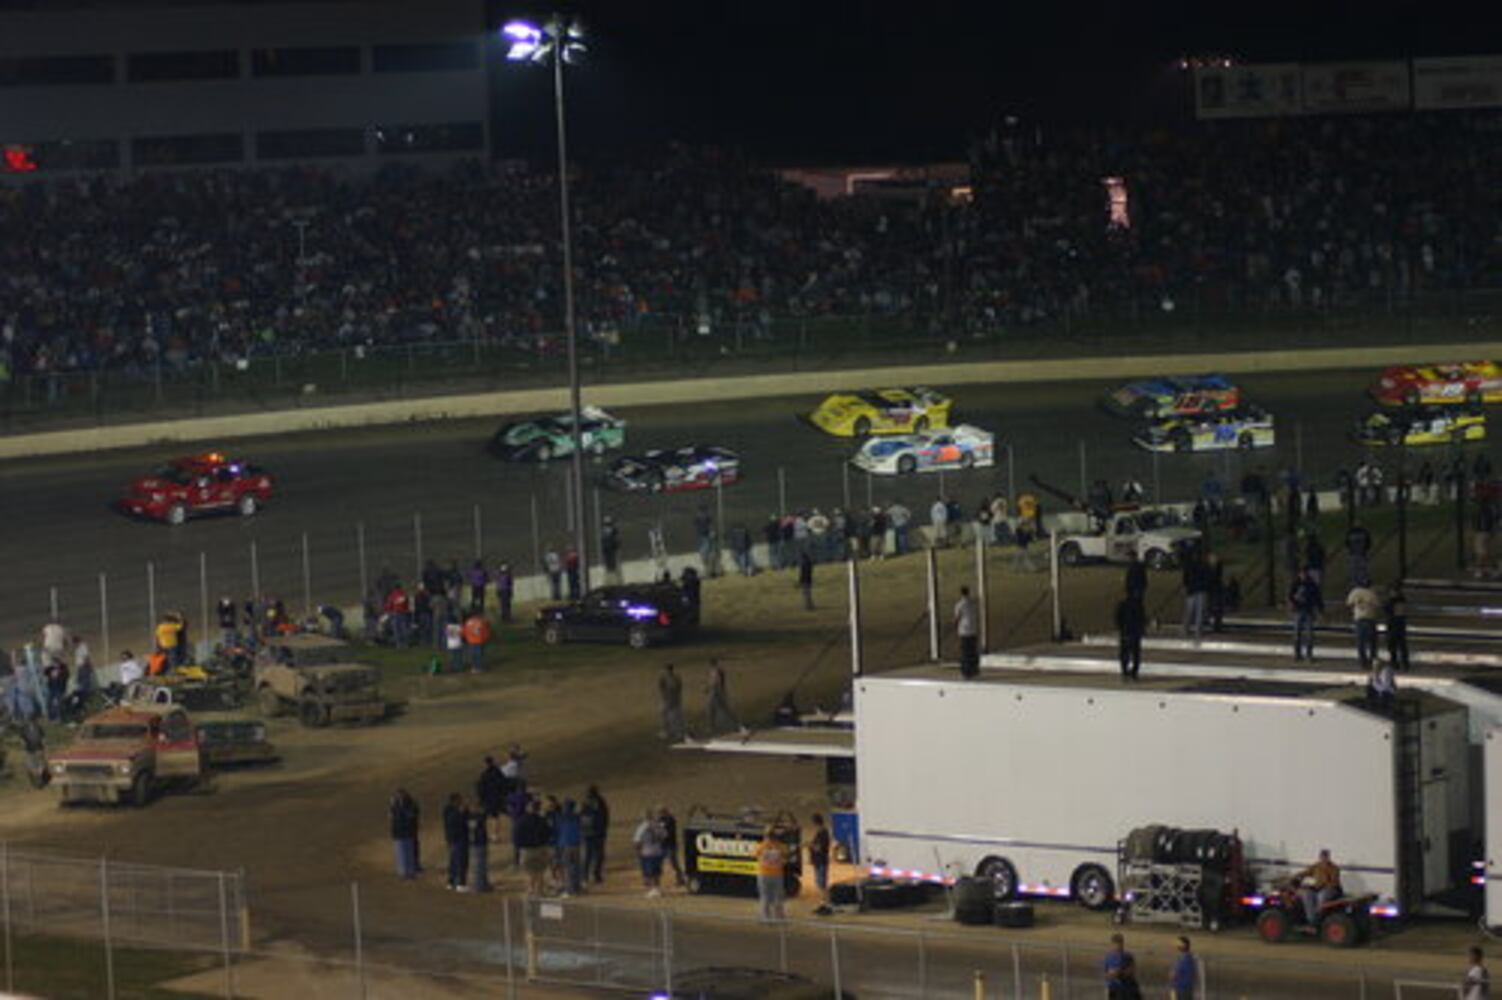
1031	779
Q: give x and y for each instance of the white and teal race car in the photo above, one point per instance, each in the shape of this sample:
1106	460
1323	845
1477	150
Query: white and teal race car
543	438
1244	428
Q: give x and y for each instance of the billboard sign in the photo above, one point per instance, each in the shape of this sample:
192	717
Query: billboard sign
1250	91
1459	82
1337	88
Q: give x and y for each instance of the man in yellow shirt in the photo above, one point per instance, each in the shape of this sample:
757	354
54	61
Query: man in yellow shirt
1318	884
771	865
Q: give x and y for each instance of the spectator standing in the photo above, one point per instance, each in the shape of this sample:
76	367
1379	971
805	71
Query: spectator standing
648	842
1477	984
818	860
670	704
505	591
1120	968
552	565
1307	604
1365	607
1314	557
479	851
594	825
1136	576
717	712
1131	623
704	539
571	572
806	579
568	837
453	642
490	790
669	824
534	842
403	822
610	547
399	612
771	868
938	520
478	579
900	519
476	634
1183	978
1395	614
966	627
227	614
879	524
771	534
456	838
1483	524
1358	550
1196	592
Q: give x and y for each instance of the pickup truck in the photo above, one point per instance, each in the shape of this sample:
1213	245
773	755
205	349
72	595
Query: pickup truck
126	754
1156	537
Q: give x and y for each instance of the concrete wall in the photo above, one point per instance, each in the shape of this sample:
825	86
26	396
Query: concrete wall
492	404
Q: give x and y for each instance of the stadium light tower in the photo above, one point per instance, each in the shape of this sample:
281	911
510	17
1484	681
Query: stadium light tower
561	42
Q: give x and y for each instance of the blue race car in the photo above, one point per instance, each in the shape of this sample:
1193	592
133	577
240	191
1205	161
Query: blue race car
1169	396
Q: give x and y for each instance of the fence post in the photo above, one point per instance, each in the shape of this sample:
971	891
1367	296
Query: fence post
10	975
922	964
667	949
1157	480
1053	584
530	938
150	598
52	603
536	537
845	482
782	492
1016	971
354	902
980	590
1064	991
255	571
104	616
360	545
506	939
417	541
931	572
1084	476
229	966
479	535
782	946
104	916
1012	477
203	604
980	985
834	960
307	579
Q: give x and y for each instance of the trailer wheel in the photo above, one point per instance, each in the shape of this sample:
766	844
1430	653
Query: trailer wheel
1002	876
1339	930
1273	926
1093	887
1070	554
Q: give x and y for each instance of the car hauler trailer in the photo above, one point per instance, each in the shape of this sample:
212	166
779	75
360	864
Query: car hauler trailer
1030	780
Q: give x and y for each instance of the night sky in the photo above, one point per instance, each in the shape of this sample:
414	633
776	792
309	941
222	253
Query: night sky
842	82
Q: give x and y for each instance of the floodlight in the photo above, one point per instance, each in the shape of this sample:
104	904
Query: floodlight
528	43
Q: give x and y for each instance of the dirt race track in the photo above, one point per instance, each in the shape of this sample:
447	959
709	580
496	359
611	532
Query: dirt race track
305	830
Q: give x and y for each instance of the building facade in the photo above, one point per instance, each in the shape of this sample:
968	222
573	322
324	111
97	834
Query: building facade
133	86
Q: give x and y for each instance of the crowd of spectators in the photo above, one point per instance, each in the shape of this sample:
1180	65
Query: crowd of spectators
131	272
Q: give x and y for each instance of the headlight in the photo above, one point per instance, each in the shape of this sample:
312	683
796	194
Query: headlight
124	768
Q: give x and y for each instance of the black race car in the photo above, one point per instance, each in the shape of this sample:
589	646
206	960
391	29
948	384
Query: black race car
639	615
696	467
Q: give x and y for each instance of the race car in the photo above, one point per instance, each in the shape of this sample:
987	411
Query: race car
1173	395
882	411
1473	382
210	483
696	467
542	438
1244	428
964	447
1421	425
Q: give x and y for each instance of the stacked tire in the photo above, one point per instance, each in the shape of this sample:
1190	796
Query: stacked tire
974	902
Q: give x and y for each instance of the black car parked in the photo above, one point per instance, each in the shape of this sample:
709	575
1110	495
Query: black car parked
639	615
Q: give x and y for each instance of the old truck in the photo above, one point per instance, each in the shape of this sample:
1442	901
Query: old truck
1015	778
126	754
332	692
1157	536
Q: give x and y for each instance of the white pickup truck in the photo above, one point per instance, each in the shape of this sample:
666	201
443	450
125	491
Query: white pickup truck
1158	537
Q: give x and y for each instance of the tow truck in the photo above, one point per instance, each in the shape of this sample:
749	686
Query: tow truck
1155	535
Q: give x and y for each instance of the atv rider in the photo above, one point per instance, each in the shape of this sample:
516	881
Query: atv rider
1317	885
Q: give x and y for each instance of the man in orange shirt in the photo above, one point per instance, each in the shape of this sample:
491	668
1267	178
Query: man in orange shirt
476	635
771	865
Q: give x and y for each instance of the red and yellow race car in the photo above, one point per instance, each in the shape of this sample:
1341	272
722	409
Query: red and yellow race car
1469	382
210	483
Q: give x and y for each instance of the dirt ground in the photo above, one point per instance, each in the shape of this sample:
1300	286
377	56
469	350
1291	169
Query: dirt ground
304	830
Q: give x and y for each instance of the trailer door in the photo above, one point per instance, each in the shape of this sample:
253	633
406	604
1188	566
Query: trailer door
1492	762
1436	834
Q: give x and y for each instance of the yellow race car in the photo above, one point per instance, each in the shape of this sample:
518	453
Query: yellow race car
1421	425
882	411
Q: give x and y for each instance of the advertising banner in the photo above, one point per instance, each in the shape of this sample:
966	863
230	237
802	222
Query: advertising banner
1336	88
1458	82
1251	91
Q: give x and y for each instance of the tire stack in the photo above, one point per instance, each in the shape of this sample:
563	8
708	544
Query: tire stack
1216	855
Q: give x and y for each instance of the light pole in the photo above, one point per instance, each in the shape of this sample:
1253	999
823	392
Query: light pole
561	43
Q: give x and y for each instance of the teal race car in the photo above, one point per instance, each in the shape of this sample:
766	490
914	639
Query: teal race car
542	438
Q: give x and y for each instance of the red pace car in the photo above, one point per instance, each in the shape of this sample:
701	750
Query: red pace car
210	483
1469	382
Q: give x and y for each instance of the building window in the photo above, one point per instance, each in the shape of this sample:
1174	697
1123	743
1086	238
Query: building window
160	67
446	138
187	150
49	70
301	143
342	61
424	58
